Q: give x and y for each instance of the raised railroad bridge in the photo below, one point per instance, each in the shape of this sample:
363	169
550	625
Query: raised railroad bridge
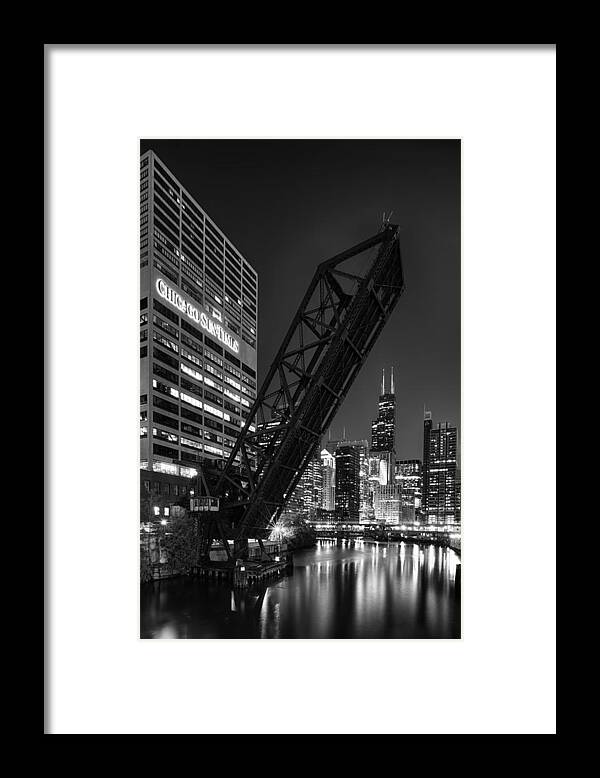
338	321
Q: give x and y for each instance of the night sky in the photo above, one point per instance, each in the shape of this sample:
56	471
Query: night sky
289	204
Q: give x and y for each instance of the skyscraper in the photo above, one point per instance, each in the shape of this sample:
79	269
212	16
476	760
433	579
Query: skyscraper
441	477
347	483
198	332
328	479
364	490
365	502
409	475
427	425
387	503
311	489
383	435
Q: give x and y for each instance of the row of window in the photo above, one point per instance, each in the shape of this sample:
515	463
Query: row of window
162	324
165	488
211	271
220	257
177	199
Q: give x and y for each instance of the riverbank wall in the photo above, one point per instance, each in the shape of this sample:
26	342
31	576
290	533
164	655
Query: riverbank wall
240	573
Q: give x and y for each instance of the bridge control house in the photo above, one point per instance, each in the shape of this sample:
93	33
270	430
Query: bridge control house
198	335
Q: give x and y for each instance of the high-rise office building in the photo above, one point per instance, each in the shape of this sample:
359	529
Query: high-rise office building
311	489
347	483
383	428
328	479
383	436
198	331
427	426
387	503
409	475
365	497
365	503
441	477
305	500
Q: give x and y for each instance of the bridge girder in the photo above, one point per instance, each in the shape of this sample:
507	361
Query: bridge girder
336	325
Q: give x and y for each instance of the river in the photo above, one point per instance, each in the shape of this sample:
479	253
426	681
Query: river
338	589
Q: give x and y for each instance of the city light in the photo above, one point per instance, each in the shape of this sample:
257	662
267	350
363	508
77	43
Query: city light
190	310
279	531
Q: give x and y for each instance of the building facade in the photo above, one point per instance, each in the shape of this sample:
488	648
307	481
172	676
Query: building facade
311	489
427	427
387	503
441	475
198	330
347	483
409	476
365	503
365	510
328	479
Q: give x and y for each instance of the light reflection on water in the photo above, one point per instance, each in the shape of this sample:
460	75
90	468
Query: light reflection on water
339	589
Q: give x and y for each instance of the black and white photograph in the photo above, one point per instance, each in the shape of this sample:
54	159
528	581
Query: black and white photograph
300	389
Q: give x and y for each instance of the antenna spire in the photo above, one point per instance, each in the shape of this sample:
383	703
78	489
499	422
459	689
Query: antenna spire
385	219
392	385
383	381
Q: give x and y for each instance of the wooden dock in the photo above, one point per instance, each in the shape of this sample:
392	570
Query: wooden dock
245	573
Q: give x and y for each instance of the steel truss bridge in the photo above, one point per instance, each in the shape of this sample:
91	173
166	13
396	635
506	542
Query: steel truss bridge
335	327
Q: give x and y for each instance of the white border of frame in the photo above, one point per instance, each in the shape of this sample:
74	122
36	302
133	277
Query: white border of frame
500	678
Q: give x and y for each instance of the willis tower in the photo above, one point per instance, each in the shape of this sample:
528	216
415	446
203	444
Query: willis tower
383	434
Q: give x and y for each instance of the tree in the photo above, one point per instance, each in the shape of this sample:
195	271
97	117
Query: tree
154	535
181	543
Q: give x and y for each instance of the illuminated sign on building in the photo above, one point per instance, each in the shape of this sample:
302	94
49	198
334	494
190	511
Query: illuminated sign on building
194	314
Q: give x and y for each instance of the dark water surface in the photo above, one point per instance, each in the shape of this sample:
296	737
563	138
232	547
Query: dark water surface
339	589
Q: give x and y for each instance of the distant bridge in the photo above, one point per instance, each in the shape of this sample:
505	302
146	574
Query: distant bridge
376	532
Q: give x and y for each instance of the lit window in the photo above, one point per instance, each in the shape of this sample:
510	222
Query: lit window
165	467
191	400
191	372
191	443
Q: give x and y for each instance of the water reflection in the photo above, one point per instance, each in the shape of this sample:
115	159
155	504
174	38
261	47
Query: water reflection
349	589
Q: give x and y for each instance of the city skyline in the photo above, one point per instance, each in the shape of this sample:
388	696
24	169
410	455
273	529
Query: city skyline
424	490
245	186
377	487
215	292
347	433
